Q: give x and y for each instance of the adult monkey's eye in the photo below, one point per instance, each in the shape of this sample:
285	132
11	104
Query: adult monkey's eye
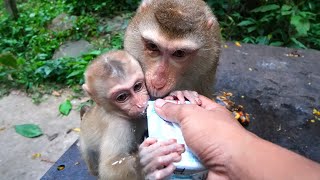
179	53
122	97
137	87
152	46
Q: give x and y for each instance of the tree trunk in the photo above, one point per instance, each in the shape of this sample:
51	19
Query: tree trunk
11	6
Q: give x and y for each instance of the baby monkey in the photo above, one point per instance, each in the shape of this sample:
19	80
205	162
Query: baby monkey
113	128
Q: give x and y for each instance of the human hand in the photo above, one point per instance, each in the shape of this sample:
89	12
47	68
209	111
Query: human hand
229	151
209	130
181	96
157	158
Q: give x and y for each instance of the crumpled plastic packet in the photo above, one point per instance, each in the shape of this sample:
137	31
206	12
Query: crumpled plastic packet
161	129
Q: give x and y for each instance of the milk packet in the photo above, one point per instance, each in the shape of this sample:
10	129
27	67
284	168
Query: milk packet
190	167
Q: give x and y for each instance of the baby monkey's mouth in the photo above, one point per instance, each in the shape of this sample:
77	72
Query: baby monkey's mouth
144	112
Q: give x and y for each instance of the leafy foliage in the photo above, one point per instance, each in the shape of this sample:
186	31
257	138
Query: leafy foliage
27	44
278	23
7	59
102	7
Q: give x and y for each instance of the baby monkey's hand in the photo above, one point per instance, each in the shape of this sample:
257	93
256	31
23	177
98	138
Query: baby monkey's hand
157	158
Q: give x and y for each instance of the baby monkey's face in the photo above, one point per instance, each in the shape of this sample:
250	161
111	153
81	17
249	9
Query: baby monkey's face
115	81
132	98
129	92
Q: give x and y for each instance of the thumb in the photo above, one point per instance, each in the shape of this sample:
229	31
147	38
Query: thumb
171	111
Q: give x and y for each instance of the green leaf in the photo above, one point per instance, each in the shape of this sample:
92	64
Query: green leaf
298	43
307	15
75	73
252	28
266	8
285	8
9	60
248	40
96	52
42	56
28	130
284	13
301	24
245	23
65	107
295	20
28	29
32	15
276	43
262	40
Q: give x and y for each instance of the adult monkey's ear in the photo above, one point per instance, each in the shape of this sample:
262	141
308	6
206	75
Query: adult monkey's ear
144	5
211	19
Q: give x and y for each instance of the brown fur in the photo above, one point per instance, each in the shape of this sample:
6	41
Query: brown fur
110	130
177	20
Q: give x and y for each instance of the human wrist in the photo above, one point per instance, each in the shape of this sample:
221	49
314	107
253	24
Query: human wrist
261	159
242	155
229	160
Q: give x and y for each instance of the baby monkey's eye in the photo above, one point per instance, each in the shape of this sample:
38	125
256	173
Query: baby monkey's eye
137	87
122	97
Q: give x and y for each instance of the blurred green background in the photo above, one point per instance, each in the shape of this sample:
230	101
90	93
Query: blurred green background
27	43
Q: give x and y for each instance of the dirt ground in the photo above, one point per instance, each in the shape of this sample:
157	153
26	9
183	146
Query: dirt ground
16	155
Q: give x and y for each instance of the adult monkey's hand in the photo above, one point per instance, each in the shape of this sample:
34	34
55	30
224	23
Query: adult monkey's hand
228	150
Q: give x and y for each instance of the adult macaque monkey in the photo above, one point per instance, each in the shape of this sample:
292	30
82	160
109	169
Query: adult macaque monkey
112	129
177	43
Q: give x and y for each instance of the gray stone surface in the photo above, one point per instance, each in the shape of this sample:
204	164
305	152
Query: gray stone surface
279	91
116	24
72	49
16	151
62	22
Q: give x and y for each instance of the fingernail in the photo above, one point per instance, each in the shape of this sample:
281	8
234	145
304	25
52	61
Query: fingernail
180	148
173	140
159	103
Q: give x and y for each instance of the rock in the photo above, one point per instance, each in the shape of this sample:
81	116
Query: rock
73	49
280	87
116	24
62	22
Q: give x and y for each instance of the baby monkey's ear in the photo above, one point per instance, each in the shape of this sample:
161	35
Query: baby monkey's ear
86	89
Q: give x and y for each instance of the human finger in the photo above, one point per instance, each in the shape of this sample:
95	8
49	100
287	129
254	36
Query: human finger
208	104
173	112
